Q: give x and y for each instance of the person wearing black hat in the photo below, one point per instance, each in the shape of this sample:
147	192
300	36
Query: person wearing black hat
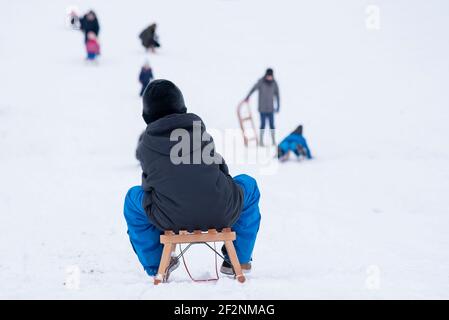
180	191
89	23
268	92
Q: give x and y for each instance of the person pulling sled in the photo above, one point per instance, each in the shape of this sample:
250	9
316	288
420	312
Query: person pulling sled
268	90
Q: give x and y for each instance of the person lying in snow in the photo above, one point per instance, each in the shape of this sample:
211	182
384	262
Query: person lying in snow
185	196
296	143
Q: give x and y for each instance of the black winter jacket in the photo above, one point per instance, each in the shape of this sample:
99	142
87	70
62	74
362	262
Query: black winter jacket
89	26
185	196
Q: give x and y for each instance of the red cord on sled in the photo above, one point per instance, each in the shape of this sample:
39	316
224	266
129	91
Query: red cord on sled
201	280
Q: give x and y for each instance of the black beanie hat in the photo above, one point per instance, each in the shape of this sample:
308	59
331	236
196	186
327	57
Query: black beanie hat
161	98
269	72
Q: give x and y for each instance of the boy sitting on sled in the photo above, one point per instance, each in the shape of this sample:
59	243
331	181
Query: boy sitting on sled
296	143
181	189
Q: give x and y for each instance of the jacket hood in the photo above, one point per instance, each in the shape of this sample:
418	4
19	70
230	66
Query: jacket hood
157	135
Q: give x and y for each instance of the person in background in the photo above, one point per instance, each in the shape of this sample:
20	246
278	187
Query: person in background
92	47
73	16
89	23
296	143
268	92
149	38
145	76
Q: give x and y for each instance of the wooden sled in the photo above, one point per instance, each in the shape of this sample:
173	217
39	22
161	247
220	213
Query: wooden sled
170	239
244	115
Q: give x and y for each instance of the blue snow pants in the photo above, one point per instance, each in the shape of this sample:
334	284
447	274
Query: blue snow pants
144	236
91	56
267	116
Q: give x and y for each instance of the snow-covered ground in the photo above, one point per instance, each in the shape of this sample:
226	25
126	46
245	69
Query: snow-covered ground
368	218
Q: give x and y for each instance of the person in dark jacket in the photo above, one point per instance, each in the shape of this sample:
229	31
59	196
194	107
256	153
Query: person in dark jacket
181	188
296	143
145	76
268	92
89	23
149	38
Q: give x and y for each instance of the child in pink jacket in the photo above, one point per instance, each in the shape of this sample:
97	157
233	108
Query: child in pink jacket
92	46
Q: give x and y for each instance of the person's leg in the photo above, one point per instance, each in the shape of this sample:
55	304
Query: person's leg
247	226
307	150
280	153
270	117
296	148
144	236
283	150
293	146
263	119
143	89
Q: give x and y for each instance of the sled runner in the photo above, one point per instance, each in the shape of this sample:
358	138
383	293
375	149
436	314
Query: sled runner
170	239
244	115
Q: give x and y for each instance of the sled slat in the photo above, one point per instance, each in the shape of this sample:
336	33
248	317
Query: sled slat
198	237
170	239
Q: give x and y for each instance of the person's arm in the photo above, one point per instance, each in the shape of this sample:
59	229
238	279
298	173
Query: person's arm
97	27
141	76
151	75
139	150
306	147
224	167
253	89
83	23
276	94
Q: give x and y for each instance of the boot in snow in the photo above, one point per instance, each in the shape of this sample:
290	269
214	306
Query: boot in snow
262	133
226	267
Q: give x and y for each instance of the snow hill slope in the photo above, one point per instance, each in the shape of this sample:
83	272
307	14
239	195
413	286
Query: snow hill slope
368	218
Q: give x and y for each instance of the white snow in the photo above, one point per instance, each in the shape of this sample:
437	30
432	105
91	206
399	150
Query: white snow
368	218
